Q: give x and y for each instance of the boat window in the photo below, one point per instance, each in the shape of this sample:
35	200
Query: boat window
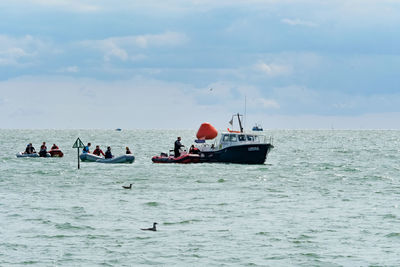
242	137
225	138
233	138
256	138
250	138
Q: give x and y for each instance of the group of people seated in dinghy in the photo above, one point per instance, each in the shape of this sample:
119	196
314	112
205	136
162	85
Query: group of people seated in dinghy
43	149
99	152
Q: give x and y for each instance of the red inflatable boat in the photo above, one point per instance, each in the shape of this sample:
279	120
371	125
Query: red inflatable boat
56	153
185	158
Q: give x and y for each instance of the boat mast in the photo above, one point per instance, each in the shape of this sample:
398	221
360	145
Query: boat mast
240	123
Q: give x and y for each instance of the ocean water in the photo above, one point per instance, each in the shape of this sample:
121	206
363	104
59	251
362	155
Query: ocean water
323	198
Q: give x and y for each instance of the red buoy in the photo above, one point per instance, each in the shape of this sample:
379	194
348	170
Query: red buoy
206	132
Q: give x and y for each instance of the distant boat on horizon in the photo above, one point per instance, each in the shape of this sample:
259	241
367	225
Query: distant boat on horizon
118	129
257	128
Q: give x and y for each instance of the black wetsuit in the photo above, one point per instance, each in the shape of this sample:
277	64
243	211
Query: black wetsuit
30	150
43	151
177	146
108	154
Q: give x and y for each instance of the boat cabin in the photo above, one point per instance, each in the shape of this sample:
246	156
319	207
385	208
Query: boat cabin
239	137
232	139
235	139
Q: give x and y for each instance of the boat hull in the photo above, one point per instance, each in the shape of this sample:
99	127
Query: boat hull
86	157
242	154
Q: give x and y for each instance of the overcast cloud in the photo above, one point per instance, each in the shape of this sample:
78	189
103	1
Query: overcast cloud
175	64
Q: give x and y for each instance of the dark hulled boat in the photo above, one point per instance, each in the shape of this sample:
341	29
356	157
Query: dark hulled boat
233	146
237	151
229	147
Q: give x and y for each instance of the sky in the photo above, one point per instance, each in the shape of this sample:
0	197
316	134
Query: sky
173	64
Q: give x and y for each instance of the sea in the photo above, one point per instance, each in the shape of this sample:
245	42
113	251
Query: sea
322	198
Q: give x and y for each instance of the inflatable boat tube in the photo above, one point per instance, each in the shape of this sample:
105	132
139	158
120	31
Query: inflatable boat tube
33	155
22	155
186	158
56	153
121	159
86	157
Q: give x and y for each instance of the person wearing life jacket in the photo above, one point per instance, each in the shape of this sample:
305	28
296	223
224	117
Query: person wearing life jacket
194	150
98	151
43	150
86	148
128	151
177	147
54	147
108	154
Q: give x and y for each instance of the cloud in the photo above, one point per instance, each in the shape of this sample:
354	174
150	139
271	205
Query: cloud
143	41
71	5
19	50
235	96
112	50
127	47
11	56
389	120
164	39
267	103
101	104
69	69
3	101
273	69
298	22
297	99
228	49
300	99
159	104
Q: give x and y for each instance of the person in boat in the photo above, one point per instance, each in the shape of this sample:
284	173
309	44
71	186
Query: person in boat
43	150
98	151
194	150
177	147
86	148
54	147
128	151
29	149
108	154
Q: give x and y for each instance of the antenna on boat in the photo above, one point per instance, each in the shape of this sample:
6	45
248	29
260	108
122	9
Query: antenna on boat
244	118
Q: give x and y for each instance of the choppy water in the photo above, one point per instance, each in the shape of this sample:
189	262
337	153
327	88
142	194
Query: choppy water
323	198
